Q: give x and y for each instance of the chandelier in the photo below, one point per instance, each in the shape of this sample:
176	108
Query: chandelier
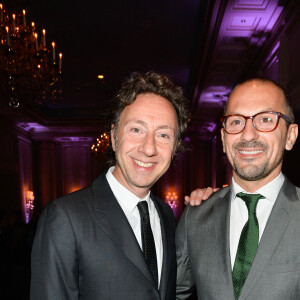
29	71
101	145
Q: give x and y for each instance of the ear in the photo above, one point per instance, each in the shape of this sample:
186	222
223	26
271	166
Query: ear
292	135
112	136
223	139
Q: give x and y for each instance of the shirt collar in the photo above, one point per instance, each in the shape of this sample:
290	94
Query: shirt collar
270	191
123	195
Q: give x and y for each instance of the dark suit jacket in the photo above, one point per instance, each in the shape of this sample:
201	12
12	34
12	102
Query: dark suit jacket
85	249
203	251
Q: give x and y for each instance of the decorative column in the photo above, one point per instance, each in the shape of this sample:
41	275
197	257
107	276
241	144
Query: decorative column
26	183
46	171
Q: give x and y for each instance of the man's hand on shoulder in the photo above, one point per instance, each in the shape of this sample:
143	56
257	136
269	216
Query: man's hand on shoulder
198	195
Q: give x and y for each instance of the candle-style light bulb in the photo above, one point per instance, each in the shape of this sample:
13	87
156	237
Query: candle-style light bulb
53	51
7	36
13	22
36	42
60	62
24	17
44	38
1	13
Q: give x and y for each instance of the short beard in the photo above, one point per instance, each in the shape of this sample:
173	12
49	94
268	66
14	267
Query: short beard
252	172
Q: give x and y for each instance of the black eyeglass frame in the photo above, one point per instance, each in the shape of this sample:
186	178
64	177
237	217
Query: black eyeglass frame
278	115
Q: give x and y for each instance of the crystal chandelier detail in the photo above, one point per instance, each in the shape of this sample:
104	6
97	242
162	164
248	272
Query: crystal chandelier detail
29	71
101	145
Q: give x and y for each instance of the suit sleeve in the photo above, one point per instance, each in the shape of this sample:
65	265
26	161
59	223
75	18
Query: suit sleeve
185	285
54	257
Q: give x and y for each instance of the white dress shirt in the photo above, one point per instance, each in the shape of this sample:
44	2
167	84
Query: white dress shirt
128	202
239	211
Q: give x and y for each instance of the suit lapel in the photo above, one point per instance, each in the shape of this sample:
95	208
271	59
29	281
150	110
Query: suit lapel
281	214
222	230
112	220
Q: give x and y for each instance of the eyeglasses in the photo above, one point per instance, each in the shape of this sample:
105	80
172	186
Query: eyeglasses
265	121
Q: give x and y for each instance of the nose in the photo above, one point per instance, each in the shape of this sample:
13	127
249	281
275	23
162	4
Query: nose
249	133
148	145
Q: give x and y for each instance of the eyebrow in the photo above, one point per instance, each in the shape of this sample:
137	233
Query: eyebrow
143	123
264	110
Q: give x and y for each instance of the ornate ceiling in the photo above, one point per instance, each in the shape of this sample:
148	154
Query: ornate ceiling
206	46
241	40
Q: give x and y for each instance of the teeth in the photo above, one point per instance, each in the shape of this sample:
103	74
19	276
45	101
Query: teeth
251	152
144	165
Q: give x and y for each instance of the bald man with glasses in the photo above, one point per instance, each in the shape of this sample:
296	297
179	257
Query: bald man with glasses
244	242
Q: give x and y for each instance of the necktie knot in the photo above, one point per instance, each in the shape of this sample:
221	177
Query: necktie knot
250	200
144	211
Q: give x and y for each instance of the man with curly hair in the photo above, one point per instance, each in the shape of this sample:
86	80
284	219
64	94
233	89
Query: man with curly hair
96	243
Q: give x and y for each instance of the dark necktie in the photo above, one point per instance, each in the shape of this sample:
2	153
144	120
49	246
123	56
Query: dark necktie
247	245
148	240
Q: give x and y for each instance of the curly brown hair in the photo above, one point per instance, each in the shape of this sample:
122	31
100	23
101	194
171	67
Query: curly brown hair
154	83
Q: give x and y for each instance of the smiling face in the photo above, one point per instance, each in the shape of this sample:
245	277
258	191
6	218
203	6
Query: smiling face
256	157
144	142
